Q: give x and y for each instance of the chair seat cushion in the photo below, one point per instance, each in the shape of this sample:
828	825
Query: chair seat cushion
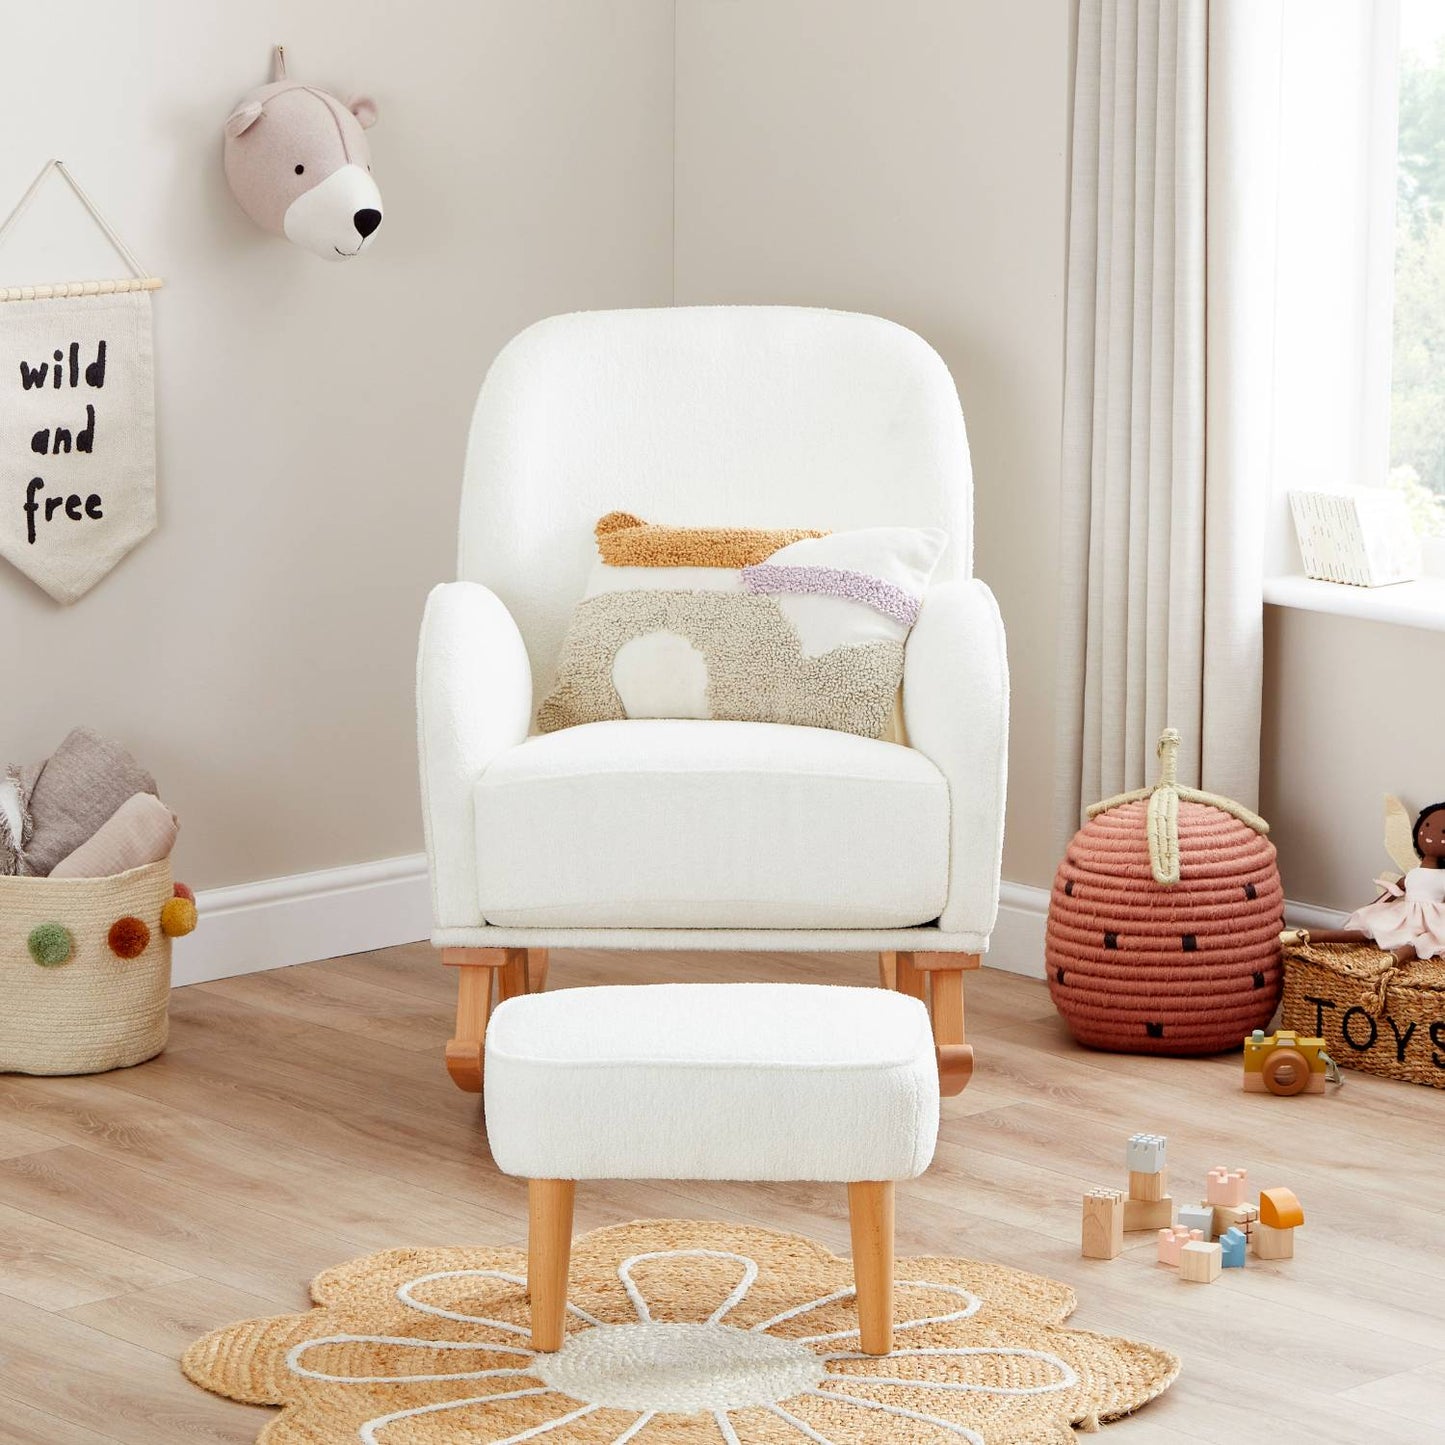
712	1081
703	824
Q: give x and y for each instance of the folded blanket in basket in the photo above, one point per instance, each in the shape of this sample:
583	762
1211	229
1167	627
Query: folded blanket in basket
80	785
142	830
15	786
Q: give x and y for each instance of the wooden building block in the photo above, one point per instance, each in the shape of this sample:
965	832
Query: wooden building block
1144	1153
1171	1241
1148	1213
1280	1209
1224	1186
1267	1242
1148	1185
1233	1244
1197	1216
1103	1224
1200	1262
1242	1217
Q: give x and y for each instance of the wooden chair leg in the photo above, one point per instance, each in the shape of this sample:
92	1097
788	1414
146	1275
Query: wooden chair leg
549	1252
888	970
476	968
870	1218
909	979
945	972
512	981
537	963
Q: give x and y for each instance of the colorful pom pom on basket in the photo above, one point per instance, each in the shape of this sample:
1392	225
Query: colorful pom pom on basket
1163	930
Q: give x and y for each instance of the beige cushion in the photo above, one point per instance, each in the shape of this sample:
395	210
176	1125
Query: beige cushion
743	625
142	830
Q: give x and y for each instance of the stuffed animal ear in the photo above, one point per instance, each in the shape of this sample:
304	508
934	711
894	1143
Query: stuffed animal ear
243	117
364	109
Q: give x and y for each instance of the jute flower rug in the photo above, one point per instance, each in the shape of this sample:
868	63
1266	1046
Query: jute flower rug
678	1332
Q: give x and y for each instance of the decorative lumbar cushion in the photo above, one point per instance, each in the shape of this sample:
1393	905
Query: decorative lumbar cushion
82	783
787	626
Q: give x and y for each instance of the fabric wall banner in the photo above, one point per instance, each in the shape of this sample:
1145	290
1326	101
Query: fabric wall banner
77	437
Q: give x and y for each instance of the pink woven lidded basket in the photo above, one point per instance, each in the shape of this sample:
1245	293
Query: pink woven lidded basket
1163	930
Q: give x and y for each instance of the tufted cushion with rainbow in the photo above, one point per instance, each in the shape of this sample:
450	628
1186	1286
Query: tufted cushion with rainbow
1163	930
743	625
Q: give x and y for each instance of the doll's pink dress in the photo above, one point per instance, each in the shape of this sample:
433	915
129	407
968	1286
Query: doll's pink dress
1413	915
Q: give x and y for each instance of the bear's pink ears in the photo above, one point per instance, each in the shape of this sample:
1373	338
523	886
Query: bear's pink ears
364	109
243	117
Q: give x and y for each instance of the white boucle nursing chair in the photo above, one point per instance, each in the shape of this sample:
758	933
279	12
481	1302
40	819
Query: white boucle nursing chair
699	834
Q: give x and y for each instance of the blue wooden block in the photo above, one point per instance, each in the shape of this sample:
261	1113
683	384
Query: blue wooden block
1233	1241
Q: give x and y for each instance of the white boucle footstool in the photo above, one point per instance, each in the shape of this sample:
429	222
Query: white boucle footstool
712	1081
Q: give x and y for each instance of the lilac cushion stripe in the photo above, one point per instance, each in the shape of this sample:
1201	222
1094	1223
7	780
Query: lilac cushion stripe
874	592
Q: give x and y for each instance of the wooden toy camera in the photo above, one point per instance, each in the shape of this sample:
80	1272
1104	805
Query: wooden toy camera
1284	1063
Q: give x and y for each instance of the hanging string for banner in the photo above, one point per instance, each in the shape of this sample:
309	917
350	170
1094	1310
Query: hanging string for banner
138	280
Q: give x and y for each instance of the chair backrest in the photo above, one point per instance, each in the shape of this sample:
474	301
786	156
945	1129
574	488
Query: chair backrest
754	416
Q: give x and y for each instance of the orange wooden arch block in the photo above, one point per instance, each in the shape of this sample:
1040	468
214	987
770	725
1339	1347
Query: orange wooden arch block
1280	1209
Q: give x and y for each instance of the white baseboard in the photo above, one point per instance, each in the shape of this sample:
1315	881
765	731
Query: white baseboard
305	917
310	916
1017	945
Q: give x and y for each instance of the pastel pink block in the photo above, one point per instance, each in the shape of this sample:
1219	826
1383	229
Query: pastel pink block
1225	1186
1172	1242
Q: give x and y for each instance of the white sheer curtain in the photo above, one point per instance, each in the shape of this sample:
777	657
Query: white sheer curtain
1167	413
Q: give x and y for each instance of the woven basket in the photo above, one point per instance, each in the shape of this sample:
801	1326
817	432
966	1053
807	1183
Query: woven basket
1373	1014
1163	930
96	1010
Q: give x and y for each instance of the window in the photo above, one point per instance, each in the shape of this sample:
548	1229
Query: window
1358	386
1417	371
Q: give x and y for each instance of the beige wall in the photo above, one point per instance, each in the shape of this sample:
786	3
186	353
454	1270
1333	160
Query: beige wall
908	159
257	652
1352	711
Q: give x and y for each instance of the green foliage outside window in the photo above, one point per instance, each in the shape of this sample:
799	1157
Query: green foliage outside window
1417	401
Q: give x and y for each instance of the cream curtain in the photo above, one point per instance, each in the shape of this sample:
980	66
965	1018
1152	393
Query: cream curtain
1169	364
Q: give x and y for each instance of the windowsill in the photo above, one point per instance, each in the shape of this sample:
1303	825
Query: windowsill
1407	604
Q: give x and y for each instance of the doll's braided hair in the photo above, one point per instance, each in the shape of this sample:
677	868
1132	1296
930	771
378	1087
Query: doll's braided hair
1420	823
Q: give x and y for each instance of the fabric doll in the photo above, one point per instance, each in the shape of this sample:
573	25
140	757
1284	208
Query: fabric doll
1408	918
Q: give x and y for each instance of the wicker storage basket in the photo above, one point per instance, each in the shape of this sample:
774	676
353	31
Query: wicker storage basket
1163	928
98	1009
1372	1013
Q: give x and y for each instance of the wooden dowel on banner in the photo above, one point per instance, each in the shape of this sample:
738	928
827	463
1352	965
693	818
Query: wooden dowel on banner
65	289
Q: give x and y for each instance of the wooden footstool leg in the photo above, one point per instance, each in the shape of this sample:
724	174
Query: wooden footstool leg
476	967
537	960
549	1252
870	1216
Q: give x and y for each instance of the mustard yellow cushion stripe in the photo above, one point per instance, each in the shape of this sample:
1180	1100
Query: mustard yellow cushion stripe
628	541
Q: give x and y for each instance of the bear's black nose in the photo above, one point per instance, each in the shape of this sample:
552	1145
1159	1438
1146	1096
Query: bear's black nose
367	221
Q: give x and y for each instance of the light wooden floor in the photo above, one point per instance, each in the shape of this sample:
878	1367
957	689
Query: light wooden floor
302	1117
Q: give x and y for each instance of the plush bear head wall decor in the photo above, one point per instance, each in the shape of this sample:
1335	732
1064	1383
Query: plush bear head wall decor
298	162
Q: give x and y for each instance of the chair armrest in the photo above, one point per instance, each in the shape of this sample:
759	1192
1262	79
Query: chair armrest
955	706
473	701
